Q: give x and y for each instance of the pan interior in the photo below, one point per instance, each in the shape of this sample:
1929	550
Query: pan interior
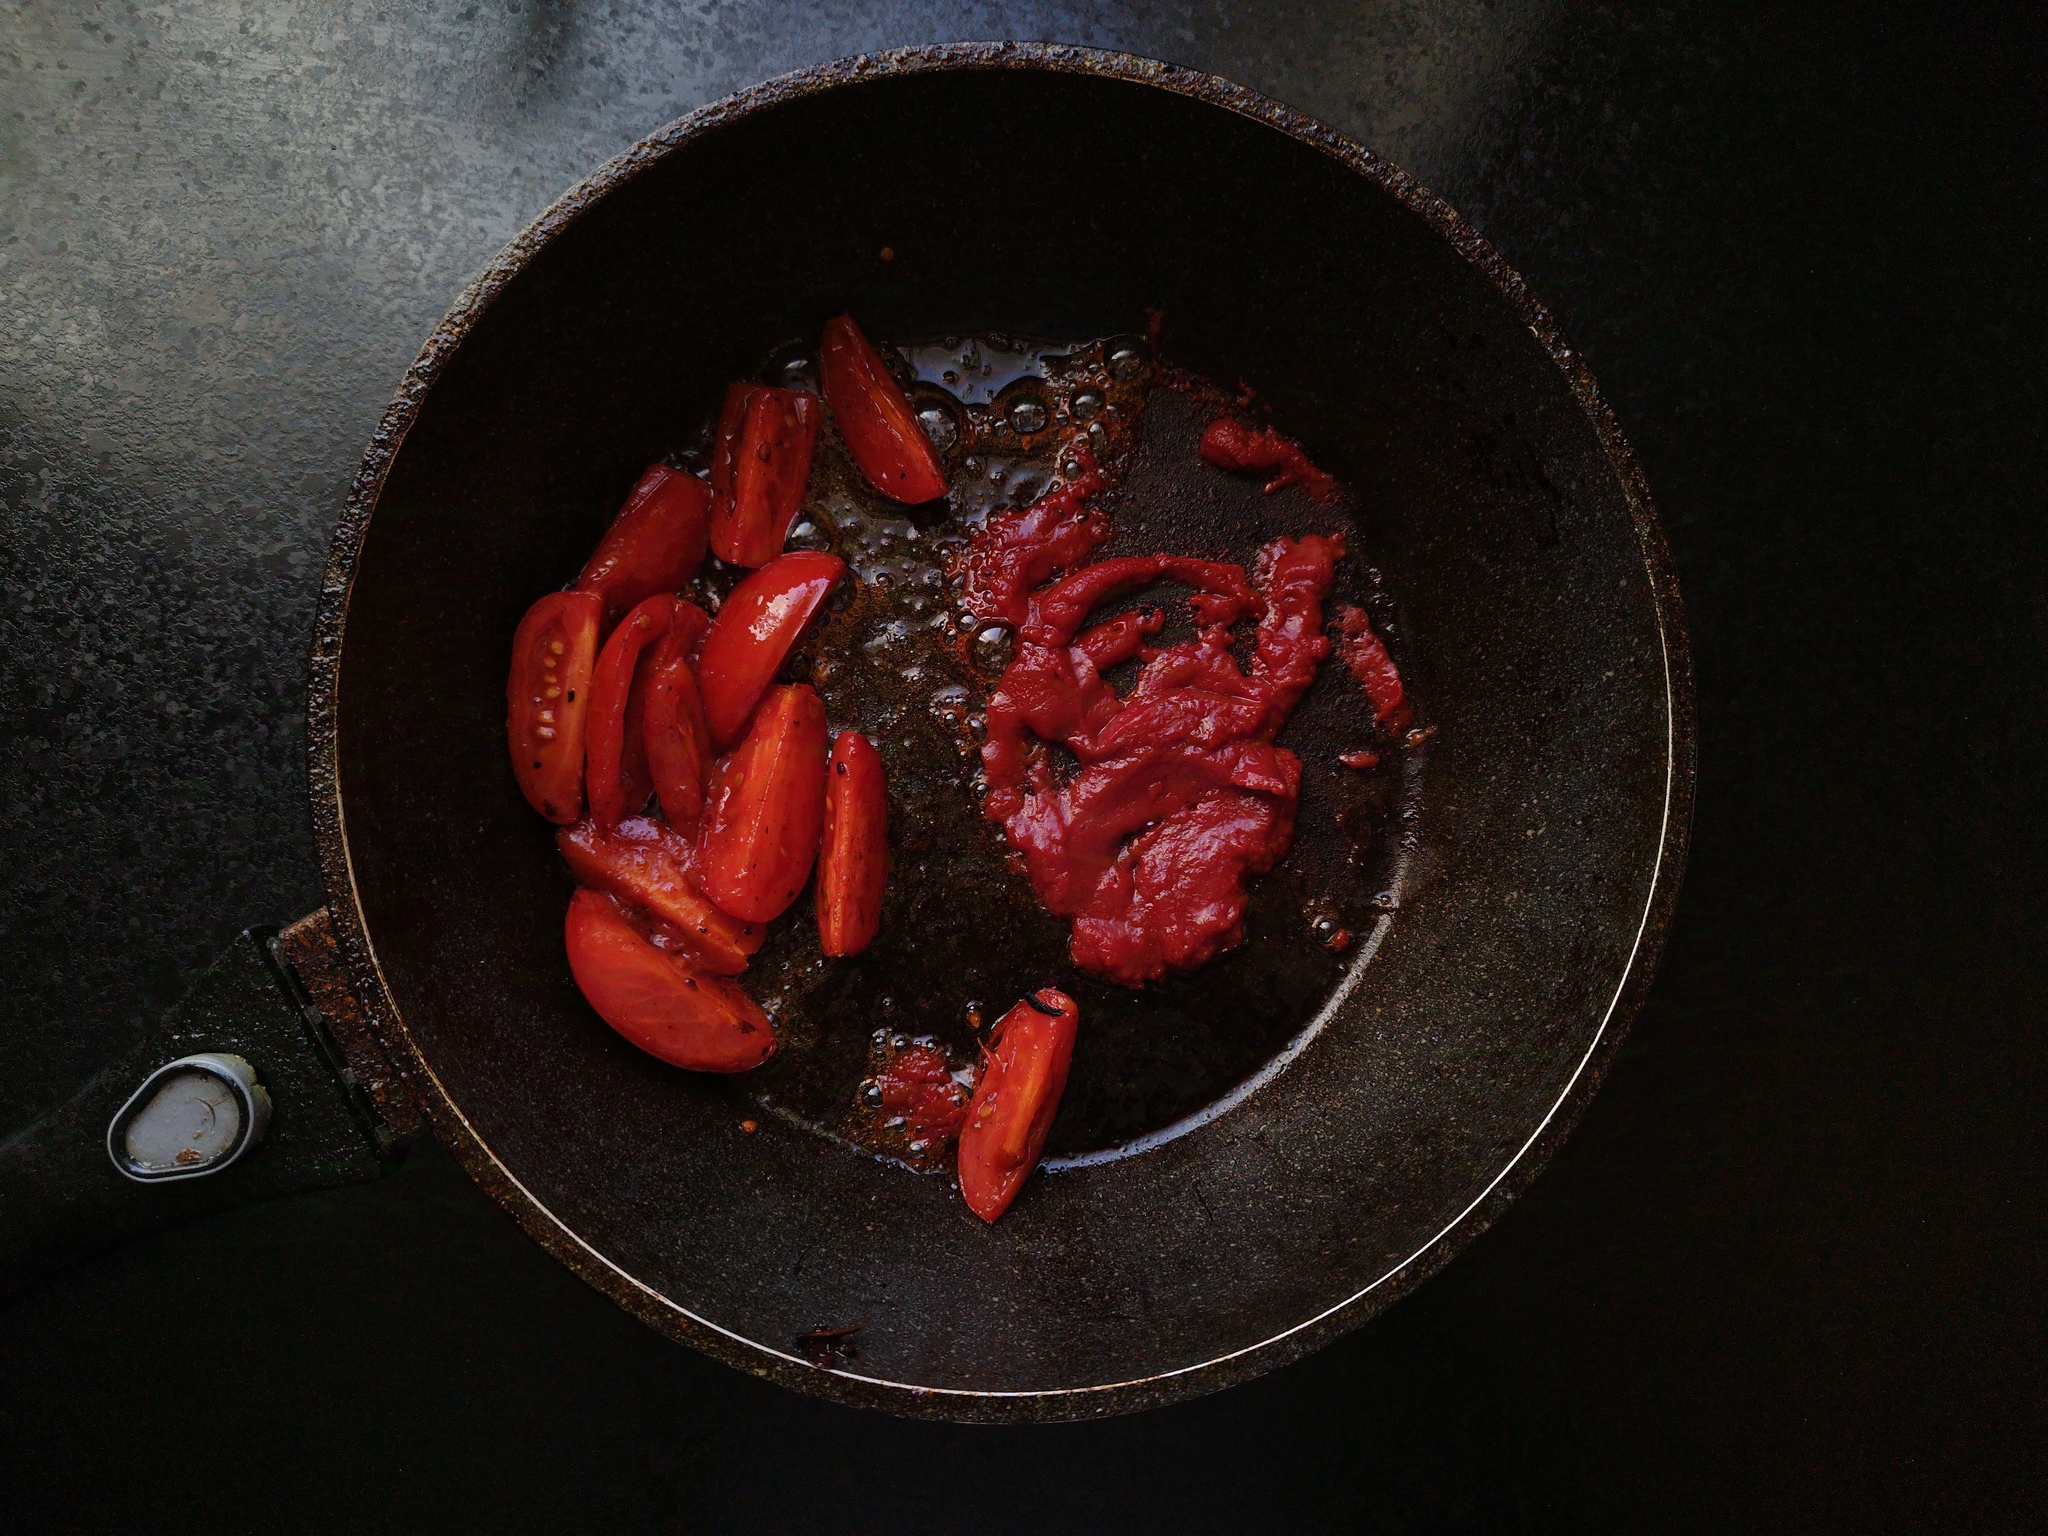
1049	204
896	658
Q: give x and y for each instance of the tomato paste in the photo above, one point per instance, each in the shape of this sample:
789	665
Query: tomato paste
1236	445
1178	794
1366	655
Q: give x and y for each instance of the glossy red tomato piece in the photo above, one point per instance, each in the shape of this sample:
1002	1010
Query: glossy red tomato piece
655	544
660	1001
853	860
875	417
766	808
770	466
614	751
725	450
1023	1074
753	633
654	866
547	697
689	625
673	733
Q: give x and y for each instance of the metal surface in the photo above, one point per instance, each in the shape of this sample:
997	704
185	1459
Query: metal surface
234	1078
1505	508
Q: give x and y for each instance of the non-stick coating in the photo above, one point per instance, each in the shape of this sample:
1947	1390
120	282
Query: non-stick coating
1046	191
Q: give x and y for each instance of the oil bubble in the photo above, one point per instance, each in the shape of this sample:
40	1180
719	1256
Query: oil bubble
993	648
940	427
1028	414
808	535
1126	362
1087	404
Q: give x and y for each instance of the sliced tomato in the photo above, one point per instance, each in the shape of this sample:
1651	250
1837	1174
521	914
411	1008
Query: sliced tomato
875	417
770	466
547	697
725	451
690	623
753	633
614	750
766	808
1023	1074
853	861
655	544
673	732
672	1009
654	866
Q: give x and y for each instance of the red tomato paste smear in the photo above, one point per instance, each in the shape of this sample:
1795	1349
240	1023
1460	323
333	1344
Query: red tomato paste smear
917	1087
1366	656
1245	449
1179	795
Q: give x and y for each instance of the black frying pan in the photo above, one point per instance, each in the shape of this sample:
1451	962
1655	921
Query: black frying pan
1055	192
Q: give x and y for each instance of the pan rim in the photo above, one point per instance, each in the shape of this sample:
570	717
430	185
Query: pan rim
564	1242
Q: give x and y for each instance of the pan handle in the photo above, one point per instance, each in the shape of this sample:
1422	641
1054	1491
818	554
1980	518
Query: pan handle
263	1081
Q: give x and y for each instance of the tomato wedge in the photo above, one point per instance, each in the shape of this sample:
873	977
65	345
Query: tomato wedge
725	451
853	862
766	808
753	633
875	417
768	470
1023	1074
672	1009
673	733
689	624
655	544
654	866
615	751
546	698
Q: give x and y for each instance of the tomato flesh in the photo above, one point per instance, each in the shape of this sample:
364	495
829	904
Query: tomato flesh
1023	1074
853	861
766	809
655	544
753	633
615	751
547	697
725	448
654	866
769	467
670	1008
673	733
875	418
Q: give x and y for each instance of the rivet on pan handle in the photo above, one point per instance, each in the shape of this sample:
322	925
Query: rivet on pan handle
191	1117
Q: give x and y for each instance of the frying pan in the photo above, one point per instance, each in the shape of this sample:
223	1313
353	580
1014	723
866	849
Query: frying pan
1036	190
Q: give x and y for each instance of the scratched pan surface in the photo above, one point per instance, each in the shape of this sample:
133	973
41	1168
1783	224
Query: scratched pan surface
1420	1084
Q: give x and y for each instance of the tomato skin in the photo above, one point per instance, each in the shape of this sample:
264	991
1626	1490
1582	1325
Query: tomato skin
673	733
547	697
654	866
689	623
1023	1074
668	1007
725	449
753	633
853	861
770	466
655	544
766	808
875	417
614	746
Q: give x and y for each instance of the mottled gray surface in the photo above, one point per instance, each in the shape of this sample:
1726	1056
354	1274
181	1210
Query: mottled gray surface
1787	1273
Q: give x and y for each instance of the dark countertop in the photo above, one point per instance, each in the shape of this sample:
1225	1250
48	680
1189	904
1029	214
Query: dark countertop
1789	1271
